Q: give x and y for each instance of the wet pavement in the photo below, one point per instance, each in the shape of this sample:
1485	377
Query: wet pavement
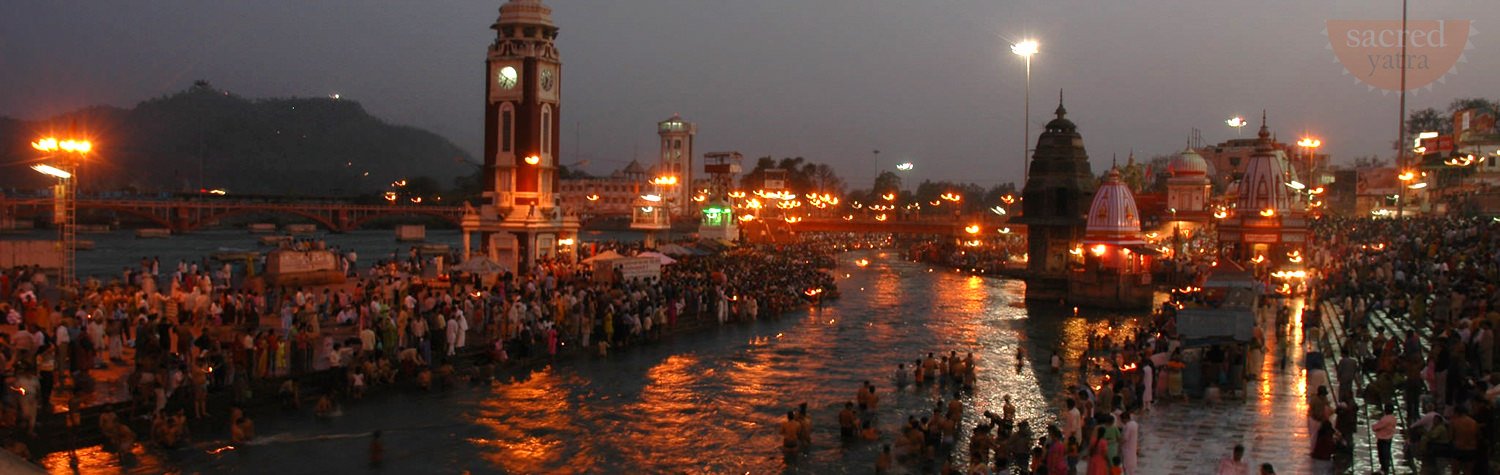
709	402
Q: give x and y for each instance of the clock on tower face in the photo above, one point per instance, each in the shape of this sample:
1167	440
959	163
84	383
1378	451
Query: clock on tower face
547	80
506	78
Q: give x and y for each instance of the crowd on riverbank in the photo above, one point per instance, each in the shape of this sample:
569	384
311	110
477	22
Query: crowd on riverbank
1418	301
180	338
1398	324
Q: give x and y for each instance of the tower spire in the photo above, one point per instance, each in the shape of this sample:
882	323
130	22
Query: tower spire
1061	111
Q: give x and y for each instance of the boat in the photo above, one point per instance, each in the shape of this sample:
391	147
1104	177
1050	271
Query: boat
83	245
153	233
261	228
301	228
93	228
234	255
275	240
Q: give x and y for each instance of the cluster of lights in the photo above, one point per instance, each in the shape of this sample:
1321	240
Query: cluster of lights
52	144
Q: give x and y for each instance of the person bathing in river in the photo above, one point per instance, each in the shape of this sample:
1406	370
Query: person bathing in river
789	432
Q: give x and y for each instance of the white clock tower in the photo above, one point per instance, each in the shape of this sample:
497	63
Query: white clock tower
520	219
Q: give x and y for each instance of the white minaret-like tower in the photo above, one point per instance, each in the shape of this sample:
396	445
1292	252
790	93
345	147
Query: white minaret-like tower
676	161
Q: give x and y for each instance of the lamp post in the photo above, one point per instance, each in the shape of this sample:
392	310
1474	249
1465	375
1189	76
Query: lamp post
1025	49
65	194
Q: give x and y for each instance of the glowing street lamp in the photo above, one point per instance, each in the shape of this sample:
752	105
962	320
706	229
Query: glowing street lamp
1309	142
533	160
905	167
889	196
1238	123
972	229
1026	49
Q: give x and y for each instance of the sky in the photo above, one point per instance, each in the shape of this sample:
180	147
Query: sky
931	82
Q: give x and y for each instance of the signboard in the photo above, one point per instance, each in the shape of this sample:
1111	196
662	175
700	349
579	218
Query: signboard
1266	238
296	262
627	268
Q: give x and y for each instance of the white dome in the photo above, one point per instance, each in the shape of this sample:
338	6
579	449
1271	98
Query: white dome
1113	217
1188	163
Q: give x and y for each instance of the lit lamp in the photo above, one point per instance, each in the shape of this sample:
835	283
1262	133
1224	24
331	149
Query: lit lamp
70	150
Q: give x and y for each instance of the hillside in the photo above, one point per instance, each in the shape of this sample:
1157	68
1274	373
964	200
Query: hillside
203	137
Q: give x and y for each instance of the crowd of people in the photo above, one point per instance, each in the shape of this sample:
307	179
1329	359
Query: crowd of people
189	335
1418	301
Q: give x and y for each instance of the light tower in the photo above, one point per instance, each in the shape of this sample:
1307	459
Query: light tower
520	219
677	161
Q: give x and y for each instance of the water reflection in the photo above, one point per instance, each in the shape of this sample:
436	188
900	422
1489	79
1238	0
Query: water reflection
711	402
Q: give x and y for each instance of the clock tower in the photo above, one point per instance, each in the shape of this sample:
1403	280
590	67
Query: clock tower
520	219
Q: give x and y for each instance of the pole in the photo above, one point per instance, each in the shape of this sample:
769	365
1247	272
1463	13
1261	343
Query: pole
1026	128
1401	121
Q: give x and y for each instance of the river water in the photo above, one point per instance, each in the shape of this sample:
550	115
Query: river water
708	402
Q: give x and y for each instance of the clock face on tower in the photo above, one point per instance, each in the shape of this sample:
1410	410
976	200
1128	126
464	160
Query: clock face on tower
547	80
506	78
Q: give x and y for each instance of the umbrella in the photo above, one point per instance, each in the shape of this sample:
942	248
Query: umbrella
479	265
603	256
659	256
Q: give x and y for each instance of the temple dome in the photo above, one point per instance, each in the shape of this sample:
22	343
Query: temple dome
1264	184
1113	217
1188	163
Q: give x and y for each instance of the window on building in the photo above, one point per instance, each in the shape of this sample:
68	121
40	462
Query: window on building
546	129
506	130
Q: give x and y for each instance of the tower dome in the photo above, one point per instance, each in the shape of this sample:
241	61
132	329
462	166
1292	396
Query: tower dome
1264	185
524	12
1187	164
1113	217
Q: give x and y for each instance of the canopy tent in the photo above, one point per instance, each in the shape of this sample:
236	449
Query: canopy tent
603	256
479	265
678	250
659	257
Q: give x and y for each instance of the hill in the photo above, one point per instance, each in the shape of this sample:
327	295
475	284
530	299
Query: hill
206	138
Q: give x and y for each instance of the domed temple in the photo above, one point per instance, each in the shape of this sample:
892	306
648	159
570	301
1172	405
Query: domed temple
1267	226
1116	263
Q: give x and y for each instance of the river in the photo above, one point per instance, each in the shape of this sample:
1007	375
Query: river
708	402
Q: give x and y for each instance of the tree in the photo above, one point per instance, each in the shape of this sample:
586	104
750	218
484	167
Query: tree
887	182
1369	162
1481	104
1428	119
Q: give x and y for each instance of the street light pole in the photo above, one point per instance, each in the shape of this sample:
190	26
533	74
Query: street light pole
1025	49
1401	118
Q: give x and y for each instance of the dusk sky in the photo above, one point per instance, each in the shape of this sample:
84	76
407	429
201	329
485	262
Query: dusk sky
932	82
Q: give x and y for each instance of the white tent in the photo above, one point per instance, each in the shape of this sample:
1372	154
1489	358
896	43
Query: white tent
479	265
659	256
603	256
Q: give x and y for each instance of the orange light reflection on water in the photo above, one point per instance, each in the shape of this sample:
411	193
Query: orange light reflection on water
522	409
